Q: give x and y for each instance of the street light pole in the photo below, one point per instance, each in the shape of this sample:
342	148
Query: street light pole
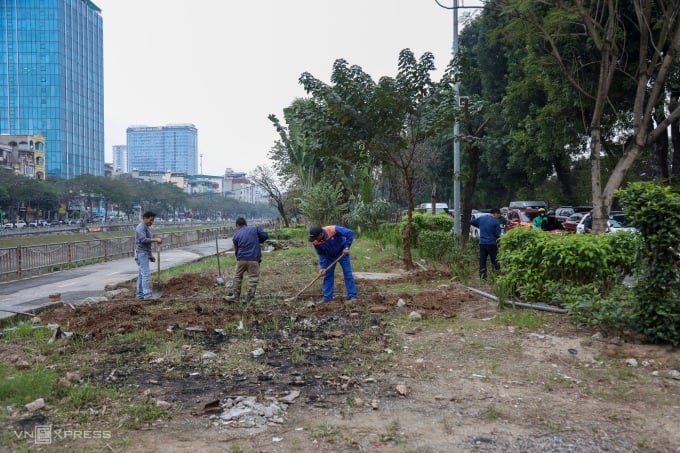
457	228
457	214
456	127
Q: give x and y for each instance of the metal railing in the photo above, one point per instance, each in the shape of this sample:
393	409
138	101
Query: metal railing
28	261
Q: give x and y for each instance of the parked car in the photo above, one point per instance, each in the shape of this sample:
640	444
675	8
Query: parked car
20	224
613	225
572	221
563	212
474	231
520	217
9	226
33	224
438	208
528	205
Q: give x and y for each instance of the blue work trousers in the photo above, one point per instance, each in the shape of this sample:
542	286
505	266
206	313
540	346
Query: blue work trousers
144	276
329	280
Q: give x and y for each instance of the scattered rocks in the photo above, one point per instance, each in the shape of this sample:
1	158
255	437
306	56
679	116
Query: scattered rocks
248	412
95	300
415	316
112	293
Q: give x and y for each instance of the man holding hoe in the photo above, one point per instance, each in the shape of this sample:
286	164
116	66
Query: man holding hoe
332	244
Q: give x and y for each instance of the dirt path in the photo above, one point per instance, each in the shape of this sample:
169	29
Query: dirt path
371	376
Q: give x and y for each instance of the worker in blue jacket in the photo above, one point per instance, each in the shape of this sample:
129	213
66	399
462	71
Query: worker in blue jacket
489	233
247	240
333	242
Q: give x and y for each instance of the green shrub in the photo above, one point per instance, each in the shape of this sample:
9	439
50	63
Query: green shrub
587	306
386	234
533	260
655	212
427	222
435	245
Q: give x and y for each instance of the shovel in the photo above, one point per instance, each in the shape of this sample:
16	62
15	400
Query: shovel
159	291
220	280
315	279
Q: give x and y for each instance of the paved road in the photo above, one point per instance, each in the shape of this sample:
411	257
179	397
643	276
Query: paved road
76	284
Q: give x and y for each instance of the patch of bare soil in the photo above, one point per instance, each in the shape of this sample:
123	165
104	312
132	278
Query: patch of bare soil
371	375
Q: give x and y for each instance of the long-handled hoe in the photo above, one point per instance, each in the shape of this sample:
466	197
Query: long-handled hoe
315	279
220	280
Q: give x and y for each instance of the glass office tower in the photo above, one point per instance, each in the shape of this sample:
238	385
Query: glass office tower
52	80
163	148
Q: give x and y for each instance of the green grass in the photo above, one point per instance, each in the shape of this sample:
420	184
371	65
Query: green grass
524	319
142	414
23	386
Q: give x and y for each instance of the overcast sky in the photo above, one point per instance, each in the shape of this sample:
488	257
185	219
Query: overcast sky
225	65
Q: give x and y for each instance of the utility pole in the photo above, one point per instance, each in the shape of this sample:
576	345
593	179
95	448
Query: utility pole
457	214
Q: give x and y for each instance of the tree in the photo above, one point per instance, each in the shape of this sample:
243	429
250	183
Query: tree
596	43
265	178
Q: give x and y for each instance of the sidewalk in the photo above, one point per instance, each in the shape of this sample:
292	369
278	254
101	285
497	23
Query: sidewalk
74	285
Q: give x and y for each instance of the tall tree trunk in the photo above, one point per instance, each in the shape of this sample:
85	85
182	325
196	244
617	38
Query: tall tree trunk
406	234
675	140
660	154
563	173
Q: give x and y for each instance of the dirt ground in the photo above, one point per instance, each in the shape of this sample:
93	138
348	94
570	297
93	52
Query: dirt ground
372	376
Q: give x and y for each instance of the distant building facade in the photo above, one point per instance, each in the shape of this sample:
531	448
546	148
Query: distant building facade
172	148
120	159
24	155
52	80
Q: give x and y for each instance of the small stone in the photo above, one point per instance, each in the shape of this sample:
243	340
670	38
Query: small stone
415	316
35	405
632	362
401	303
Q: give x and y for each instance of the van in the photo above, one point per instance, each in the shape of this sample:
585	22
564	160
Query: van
528	205
438	208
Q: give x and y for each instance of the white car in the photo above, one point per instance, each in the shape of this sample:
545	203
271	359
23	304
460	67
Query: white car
474	231
20	224
613	226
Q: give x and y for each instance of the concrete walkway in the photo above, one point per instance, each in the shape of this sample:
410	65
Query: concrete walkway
76	284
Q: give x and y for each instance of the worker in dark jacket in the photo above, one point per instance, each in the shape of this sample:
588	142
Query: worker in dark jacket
333	242
489	233
247	240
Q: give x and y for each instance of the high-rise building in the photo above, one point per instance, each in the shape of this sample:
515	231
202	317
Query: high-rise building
120	159
52	80
172	148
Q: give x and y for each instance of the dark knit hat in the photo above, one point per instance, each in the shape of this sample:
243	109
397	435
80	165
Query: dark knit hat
314	232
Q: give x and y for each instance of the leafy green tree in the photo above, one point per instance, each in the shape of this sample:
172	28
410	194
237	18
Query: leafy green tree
599	47
322	204
655	212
